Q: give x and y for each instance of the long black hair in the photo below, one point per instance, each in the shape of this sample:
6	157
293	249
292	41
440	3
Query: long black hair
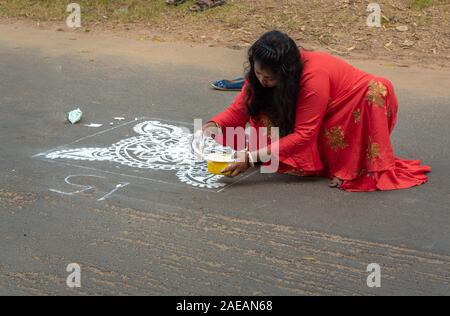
277	52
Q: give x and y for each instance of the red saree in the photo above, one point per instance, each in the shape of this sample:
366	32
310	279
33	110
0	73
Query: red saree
344	119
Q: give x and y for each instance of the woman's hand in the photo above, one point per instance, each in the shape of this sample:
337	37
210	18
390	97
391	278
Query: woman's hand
236	168
241	165
211	129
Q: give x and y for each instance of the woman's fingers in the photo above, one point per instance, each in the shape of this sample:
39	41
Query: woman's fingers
210	129
235	173
230	168
234	169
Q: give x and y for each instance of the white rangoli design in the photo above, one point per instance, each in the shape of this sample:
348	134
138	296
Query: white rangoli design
159	146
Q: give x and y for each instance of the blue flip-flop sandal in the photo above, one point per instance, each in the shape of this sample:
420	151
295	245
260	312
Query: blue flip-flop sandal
229	85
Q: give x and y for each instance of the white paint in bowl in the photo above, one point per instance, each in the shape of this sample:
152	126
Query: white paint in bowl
219	157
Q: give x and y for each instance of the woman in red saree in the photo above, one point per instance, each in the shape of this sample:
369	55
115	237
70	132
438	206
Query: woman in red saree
334	119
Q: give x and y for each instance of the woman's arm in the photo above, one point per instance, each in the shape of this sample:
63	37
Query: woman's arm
235	115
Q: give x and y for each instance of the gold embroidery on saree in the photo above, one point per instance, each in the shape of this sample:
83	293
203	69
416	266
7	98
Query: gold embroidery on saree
373	150
335	138
357	116
377	93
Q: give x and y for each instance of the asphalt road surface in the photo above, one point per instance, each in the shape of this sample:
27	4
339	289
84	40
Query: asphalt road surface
139	223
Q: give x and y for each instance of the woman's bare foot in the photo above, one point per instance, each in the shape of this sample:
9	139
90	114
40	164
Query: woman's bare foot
335	183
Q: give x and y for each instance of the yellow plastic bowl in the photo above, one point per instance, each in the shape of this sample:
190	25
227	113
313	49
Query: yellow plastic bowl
218	162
